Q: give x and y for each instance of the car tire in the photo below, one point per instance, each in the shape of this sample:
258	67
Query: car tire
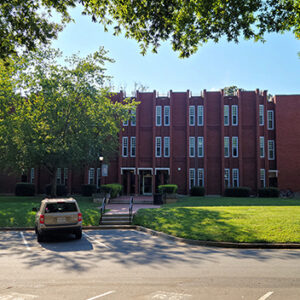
78	234
40	237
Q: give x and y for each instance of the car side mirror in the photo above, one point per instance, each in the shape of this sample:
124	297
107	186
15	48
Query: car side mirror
34	209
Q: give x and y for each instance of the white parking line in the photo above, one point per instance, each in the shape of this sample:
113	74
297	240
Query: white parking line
96	241
24	241
102	295
267	295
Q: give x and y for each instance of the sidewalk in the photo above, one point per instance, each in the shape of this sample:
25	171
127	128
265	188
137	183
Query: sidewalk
124	208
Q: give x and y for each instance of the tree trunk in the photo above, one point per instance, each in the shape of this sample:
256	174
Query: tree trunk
53	183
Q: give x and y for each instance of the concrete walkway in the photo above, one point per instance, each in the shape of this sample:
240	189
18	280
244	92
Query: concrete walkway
124	208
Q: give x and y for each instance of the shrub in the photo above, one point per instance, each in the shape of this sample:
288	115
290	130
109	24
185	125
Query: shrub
113	188
24	189
88	190
168	188
237	192
197	191
268	192
61	190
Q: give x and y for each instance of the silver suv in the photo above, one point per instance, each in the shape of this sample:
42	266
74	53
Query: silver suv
58	215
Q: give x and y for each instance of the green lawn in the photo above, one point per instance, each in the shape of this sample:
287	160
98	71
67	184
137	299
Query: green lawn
227	219
17	211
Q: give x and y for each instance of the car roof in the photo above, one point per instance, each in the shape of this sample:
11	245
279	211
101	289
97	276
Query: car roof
55	200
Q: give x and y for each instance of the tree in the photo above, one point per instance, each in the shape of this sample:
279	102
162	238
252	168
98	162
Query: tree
187	23
53	115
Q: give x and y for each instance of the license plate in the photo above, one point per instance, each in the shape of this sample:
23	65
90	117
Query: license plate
61	220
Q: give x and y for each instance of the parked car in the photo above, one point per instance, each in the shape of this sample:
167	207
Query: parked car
58	215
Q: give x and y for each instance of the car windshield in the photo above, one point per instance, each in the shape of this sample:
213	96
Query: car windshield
60	207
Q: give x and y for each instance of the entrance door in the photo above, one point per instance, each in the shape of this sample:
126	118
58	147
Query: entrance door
147	184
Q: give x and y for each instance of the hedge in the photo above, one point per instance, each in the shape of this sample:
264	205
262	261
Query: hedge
24	189
61	190
168	188
270	192
114	189
88	190
197	191
237	192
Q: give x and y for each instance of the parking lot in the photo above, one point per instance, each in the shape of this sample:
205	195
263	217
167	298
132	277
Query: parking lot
127	264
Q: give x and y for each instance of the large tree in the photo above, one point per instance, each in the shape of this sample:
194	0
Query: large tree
57	115
187	23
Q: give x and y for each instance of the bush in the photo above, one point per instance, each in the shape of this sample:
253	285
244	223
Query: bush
88	190
237	192
197	191
270	192
113	188
61	190
168	188
24	189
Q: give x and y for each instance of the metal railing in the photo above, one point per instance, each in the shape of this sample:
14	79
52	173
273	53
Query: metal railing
130	209
102	210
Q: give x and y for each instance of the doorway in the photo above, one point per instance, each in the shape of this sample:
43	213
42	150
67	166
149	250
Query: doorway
146	182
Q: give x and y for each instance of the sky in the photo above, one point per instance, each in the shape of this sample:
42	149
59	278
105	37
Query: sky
273	65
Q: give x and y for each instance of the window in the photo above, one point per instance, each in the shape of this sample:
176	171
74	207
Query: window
124	146
192	178
201	177
66	175
235	177
270	119
271	150
125	123
235	146
192	146
98	180
167	115
262	178
158	115
261	115
166	146
226	146
227	178
192	115
32	175
261	146
132	146
133	118
91	178
58	176
234	114
200	146
200	115
158	146
226	115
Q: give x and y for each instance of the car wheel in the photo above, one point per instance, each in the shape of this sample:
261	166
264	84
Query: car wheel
78	234
40	237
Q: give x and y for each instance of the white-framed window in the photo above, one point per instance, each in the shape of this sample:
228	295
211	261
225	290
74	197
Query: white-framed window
270	115
227	177
226	115
132	146
191	178
200	146
98	178
166	146
58	176
271	149
91	178
235	146
261	115
167	115
235	177
261	146
158	146
234	115
158	115
124	146
125	123
66	176
32	175
192	115
262	178
192	146
201	177
200	114
226	146
133	118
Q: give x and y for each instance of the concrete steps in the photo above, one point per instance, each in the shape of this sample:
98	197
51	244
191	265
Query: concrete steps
115	219
121	200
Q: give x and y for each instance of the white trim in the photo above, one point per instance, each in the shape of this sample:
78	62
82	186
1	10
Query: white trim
200	113
192	115
237	146
192	146
262	146
168	110
125	138
262	177
91	176
261	119
226	114
227	178
158	146
145	169
131	169
132	138
158	113
274	171
235	172
227	138
162	169
271	142
236	114
192	178
200	138
272	119
167	142
200	171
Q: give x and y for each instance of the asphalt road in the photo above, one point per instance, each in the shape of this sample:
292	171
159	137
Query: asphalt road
117	264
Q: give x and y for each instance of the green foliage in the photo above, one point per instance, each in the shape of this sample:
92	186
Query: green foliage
270	192
237	192
61	190
114	189
24	189
88	190
197	191
168	188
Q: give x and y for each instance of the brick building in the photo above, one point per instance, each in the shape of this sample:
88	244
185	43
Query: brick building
210	140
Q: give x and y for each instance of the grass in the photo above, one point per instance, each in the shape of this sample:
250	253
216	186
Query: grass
17	211
227	219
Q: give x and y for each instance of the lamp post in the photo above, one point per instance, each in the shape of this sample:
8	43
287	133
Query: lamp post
100	175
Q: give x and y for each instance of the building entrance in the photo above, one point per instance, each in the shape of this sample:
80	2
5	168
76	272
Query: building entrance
128	182
145	182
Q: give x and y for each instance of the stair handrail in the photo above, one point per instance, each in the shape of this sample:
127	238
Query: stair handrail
102	209
130	209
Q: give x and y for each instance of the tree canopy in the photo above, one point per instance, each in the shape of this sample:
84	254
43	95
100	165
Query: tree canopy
186	23
57	115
